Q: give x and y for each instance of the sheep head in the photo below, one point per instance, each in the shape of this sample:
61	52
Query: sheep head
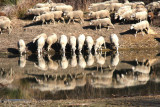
132	26
37	18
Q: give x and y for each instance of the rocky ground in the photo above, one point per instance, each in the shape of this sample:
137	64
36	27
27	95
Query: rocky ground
27	30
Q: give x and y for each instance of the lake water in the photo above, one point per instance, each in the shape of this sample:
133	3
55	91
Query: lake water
106	75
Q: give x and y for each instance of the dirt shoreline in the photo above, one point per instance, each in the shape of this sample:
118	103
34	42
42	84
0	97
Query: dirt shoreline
27	30
143	101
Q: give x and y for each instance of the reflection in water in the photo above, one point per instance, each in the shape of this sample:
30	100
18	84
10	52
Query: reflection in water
81	62
22	61
41	63
125	76
52	64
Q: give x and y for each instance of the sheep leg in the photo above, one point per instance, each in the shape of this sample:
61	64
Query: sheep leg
96	27
136	33
69	21
62	19
100	27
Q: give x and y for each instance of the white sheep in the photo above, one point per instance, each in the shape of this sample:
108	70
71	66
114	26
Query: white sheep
99	42
115	6
99	14
143	25
121	10
63	41
72	15
140	16
21	46
51	40
127	15
81	40
102	22
62	8
114	40
41	5
5	24
98	7
90	43
46	17
81	61
72	42
64	62
38	11
38	36
40	45
58	15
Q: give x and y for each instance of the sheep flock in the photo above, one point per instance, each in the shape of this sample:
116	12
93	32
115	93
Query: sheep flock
100	15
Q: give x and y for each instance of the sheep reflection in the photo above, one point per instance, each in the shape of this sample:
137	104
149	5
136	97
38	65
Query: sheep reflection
41	64
22	61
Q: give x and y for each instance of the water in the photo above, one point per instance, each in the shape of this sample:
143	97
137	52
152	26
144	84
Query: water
111	74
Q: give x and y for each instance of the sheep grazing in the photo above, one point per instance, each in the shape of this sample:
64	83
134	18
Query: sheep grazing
51	40
143	25
150	17
90	42
114	40
62	8
140	16
5	24
115	6
45	17
40	45
63	41
72	42
81	40
102	22
21	46
99	42
72	15
99	14
127	15
37	37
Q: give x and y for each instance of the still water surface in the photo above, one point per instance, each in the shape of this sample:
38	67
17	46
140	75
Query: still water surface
127	73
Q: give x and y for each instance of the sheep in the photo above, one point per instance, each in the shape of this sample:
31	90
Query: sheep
4	18
72	42
58	15
115	6
114	40
150	17
140	26
140	16
90	42
127	15
99	42
81	61
81	40
99	14
63	41
62	8
21	46
45	17
153	5
72	15
141	10
38	11
41	5
51	40
40	45
121	10
64	62
102	22
38	36
99	7
5	24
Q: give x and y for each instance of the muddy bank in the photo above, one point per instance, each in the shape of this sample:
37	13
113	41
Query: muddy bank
27	30
143	101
